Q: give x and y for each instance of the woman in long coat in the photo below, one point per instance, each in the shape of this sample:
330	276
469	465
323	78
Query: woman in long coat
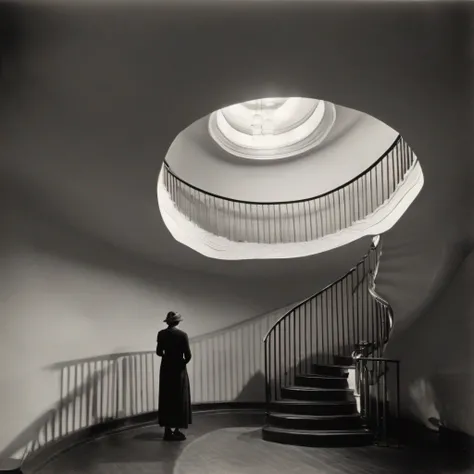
174	404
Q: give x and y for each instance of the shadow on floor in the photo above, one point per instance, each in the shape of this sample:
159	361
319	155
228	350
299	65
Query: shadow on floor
216	442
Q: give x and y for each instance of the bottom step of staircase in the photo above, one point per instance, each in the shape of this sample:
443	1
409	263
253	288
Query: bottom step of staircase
332	438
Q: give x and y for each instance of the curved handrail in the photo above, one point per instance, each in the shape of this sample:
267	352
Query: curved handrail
383	303
277	203
372	276
300	220
357	353
328	323
315	295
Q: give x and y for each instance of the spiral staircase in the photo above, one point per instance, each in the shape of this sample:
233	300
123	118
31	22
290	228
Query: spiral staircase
319	410
326	382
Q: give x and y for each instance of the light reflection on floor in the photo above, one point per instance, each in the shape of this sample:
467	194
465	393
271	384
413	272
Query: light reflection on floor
231	443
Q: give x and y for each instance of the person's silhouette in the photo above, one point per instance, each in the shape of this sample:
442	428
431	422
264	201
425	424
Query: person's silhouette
174	404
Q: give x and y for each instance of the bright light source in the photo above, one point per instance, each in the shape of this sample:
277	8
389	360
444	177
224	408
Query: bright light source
273	127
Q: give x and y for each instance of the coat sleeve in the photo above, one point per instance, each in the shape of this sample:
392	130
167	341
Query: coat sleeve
186	349
159	344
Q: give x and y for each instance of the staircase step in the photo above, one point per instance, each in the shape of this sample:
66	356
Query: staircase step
346	361
311	422
321	381
332	438
305	407
331	370
317	394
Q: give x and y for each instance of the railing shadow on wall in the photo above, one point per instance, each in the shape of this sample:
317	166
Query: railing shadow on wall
294	221
227	367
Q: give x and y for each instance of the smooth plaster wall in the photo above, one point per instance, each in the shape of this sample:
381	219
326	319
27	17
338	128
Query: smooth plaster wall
73	312
356	141
378	71
437	364
421	255
60	312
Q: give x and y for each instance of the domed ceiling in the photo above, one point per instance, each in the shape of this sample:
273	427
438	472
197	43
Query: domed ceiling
272	128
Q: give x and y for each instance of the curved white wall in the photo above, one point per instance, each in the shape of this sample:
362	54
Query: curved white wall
71	307
61	313
355	142
113	124
417	264
436	352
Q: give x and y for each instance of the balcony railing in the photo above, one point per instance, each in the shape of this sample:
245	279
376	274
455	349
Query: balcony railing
293	221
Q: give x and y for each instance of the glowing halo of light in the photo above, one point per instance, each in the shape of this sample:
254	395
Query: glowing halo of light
272	128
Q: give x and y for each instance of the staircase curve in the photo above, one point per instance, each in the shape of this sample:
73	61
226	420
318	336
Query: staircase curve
322	355
326	382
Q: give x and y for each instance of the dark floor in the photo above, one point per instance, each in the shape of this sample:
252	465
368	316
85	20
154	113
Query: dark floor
230	443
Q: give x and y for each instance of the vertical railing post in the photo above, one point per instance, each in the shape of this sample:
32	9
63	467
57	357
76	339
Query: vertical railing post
397	389
267	377
331	212
385	400
275	366
371	325
375	400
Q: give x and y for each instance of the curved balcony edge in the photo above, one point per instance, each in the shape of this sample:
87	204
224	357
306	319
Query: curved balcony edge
293	222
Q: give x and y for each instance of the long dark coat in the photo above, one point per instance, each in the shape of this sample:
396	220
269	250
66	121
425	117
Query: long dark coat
174	404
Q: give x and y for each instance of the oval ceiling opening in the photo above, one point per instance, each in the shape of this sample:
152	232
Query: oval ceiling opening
355	176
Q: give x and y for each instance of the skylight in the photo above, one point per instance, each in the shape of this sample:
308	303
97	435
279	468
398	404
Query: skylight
272	128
